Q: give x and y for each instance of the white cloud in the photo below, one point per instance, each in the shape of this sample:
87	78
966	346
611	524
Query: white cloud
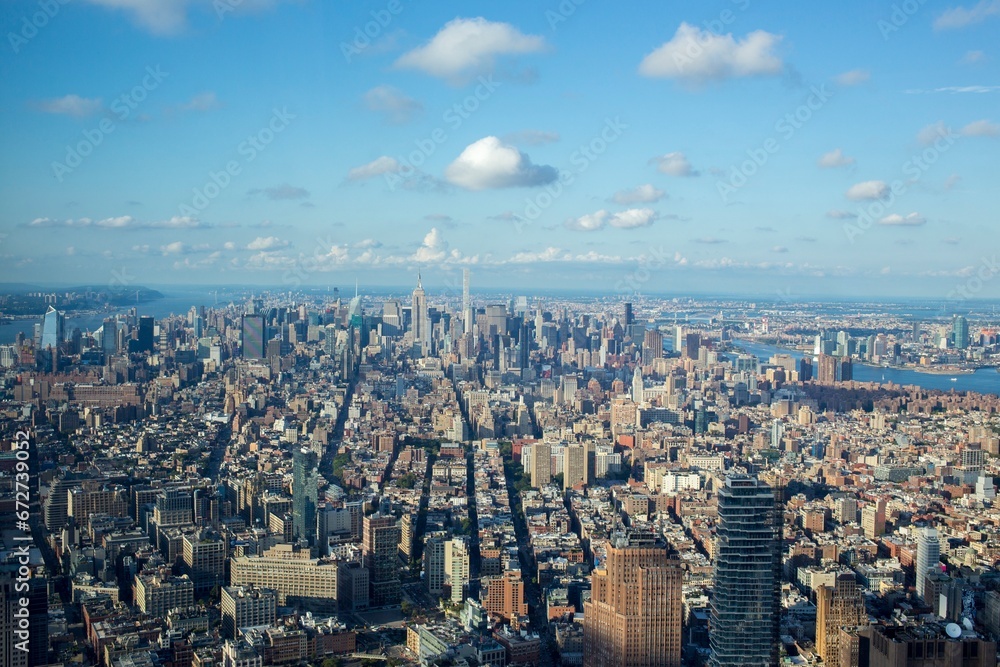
633	218
589	222
951	181
70	105
121	222
175	248
267	243
855	77
674	164
838	214
973	57
629	219
377	167
433	248
932	133
980	128
835	158
911	220
393	103
697	55
960	17
489	163
643	194
868	190
469	46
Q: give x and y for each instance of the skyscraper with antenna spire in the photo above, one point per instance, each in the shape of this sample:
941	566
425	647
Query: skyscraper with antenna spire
466	302
418	311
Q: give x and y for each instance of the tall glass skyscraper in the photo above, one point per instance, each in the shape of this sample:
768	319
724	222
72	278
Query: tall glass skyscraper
960	332
305	493
746	598
53	328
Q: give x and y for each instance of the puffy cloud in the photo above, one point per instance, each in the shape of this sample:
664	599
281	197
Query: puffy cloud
868	190
589	222
70	105
267	243
633	218
835	158
643	194
854	77
393	103
377	167
629	219
489	163
469	46
980	128
433	248
674	164
960	17
697	55
175	248
911	220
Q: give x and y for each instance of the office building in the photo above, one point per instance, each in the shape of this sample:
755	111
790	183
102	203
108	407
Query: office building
840	605
204	560
635	614
504	596
145	334
305	494
380	548
927	645
156	593
928	557
652	346
299	581
247	606
53	328
253	336
746	597
960	332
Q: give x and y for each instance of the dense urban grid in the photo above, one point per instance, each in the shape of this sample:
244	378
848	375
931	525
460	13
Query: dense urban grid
458	479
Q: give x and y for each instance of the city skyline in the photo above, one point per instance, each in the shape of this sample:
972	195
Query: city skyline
560	162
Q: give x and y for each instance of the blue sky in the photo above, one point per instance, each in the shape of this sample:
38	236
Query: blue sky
702	146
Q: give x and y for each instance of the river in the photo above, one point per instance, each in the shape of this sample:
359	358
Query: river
983	381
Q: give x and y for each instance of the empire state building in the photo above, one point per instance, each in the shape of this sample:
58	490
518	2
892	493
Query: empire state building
418	311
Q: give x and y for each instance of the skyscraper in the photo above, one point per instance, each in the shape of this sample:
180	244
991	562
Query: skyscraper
145	337
634	614
960	332
305	492
928	556
418	311
628	314
652	346
53	328
380	546
468	319
839	606
747	576
253	336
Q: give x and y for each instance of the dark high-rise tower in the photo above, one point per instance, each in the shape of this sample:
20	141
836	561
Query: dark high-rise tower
628	314
145	333
746	597
305	493
253	336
